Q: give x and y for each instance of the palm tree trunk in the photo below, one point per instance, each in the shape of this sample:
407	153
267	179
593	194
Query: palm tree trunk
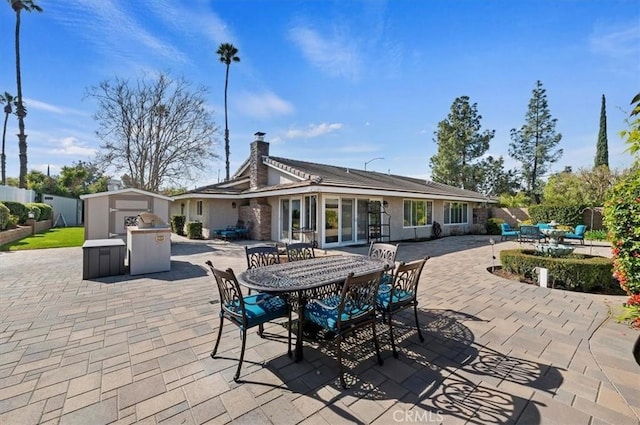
3	157
22	138
226	124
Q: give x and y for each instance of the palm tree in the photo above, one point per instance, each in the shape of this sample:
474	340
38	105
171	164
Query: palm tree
8	110
227	54
18	6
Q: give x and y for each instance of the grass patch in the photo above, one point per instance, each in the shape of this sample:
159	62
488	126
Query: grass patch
57	237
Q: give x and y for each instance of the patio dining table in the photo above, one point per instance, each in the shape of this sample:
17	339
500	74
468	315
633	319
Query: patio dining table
307	279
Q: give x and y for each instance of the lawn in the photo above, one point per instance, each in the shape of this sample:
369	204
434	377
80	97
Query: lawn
58	237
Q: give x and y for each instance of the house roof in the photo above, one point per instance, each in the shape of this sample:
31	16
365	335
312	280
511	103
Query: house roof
307	174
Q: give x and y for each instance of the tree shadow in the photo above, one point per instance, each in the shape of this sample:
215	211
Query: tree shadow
455	377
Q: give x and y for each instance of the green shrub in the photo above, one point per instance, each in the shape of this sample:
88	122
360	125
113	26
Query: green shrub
12	223
595	235
4	216
577	272
18	209
35	209
194	230
493	226
177	224
622	218
46	210
568	215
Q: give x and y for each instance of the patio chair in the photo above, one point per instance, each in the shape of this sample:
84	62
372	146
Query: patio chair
531	234
401	294
259	256
387	252
507	231
300	251
353	308
577	234
246	312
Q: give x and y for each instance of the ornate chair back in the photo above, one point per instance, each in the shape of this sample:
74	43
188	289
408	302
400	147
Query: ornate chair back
384	251
300	251
261	255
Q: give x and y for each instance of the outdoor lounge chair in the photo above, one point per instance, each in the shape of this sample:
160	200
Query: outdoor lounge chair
353	308
401	294
577	234
530	234
507	231
245	311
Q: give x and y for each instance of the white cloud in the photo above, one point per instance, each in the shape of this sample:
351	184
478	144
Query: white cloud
111	26
263	105
313	131
617	43
73	147
337	55
47	107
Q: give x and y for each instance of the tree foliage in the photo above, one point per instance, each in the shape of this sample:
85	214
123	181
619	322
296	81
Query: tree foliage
602	148
495	180
154	129
633	134
534	144
75	180
460	147
585	187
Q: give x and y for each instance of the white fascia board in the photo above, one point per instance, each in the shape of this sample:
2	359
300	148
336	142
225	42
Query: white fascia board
288	173
359	191
235	183
208	196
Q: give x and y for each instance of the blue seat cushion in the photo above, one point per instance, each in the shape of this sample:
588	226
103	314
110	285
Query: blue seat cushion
261	308
399	297
573	236
328	318
511	233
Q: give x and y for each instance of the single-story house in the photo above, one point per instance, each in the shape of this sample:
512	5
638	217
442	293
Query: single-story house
281	199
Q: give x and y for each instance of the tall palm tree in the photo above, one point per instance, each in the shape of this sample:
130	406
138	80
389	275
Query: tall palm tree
18	6
227	54
8	110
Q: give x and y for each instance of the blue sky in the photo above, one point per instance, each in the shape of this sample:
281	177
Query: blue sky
332	81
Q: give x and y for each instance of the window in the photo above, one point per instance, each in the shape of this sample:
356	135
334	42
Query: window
455	213
199	208
417	213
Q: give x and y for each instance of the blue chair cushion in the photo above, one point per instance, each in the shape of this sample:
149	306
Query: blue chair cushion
399	297
328	318
261	308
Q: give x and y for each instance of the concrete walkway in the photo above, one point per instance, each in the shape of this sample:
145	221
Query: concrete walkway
135	349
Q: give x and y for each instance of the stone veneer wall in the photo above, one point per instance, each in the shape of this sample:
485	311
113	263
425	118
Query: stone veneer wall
257	218
513	216
259	173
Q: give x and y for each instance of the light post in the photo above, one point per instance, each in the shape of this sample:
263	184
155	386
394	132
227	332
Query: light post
371	160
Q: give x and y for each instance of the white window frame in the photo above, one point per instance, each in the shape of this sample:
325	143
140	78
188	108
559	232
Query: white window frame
464	211
198	207
428	209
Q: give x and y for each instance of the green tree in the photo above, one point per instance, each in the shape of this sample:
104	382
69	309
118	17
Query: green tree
81	178
8	100
156	129
228	53
633	134
18	6
534	144
564	188
42	183
494	179
460	145
602	149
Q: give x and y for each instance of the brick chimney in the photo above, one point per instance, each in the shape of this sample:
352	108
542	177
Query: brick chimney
258	171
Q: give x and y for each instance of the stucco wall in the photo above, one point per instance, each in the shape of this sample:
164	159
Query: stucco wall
96	218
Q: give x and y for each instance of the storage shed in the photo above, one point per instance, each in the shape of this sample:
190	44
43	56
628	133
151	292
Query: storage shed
108	214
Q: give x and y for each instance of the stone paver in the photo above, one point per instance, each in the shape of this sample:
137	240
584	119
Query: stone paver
135	349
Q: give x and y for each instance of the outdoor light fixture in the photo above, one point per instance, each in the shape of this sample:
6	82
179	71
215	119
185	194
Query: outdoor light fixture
371	160
233	205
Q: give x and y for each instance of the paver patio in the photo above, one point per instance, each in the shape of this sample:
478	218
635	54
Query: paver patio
135	349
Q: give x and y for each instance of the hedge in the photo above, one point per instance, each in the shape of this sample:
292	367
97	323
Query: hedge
177	224
4	216
18	209
569	215
46	211
493	226
576	272
194	230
